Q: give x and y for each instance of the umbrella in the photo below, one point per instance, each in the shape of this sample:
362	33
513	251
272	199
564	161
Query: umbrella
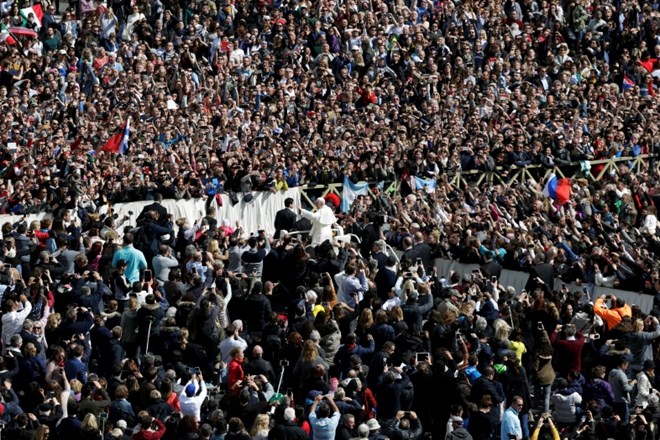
20	30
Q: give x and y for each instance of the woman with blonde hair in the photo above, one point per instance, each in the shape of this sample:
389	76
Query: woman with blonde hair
500	340
261	427
89	429
396	318
76	389
640	341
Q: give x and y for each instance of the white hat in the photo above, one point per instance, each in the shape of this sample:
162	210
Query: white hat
373	424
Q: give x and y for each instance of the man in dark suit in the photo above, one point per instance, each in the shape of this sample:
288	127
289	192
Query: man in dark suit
258	365
285	219
541	275
378	254
491	268
75	368
155	206
28	334
421	250
386	278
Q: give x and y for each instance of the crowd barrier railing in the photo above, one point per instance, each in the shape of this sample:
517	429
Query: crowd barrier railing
520	174
256	214
518	280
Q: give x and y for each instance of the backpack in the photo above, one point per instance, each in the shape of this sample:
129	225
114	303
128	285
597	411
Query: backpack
272	346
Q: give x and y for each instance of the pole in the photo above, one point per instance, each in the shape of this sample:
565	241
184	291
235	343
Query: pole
146	349
279	384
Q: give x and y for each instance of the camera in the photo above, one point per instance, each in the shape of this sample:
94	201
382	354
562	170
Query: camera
284	363
197	371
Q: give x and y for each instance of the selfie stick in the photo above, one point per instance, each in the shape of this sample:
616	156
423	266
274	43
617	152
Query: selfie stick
151	320
279	385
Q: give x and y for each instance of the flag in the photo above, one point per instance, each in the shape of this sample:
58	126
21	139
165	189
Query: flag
351	192
36	10
426	184
627	83
5	36
118	143
557	189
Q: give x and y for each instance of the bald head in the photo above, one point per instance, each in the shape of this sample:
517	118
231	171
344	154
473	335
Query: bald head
257	351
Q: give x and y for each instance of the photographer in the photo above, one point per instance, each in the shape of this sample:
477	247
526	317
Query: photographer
193	395
546	424
613	314
405	426
16	311
324	417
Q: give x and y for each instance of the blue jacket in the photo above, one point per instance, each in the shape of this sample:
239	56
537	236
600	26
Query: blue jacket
76	369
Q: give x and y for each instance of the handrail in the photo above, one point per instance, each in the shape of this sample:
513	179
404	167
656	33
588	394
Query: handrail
462	178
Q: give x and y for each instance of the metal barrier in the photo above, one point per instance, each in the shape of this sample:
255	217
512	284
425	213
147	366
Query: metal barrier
509	175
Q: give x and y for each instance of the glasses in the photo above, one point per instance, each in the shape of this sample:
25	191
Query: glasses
37	328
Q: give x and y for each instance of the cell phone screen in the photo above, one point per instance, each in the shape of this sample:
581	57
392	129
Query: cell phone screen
147	275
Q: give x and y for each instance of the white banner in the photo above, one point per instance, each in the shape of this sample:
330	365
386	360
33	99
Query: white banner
259	213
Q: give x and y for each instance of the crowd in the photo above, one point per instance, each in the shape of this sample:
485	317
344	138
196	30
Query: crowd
194	328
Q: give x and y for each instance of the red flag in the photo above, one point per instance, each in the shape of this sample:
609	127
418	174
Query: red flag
563	190
118	142
112	145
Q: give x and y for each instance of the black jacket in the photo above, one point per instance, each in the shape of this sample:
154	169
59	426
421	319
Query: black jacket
284	219
258	310
160	409
160	209
414	312
287	431
543	271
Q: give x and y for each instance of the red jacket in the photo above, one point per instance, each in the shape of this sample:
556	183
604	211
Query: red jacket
148	434
234	374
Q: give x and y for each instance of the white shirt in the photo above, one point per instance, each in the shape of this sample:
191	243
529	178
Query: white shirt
192	406
650	224
228	343
12	322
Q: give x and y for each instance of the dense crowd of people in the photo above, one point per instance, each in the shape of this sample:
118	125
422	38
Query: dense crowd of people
194	328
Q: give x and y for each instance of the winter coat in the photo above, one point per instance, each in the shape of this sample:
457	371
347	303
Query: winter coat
599	391
565	406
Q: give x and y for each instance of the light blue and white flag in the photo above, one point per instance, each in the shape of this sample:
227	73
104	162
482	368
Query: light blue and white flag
351	192
427	185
